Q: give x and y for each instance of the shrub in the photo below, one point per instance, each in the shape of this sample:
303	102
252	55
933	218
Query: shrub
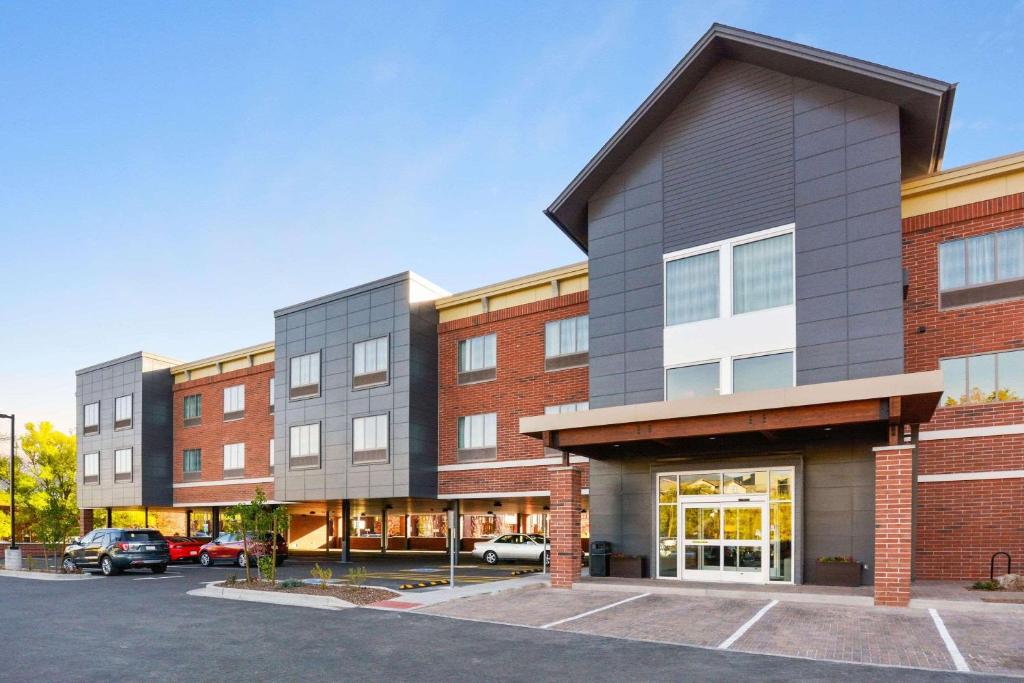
836	558
291	583
986	585
356	576
322	574
266	565
231	579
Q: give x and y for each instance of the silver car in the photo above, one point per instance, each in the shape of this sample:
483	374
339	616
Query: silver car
512	547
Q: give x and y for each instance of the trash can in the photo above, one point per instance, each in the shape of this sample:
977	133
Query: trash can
600	554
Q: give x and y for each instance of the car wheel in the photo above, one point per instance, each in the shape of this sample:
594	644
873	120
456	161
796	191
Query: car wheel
491	557
205	559
69	565
242	560
540	558
107	566
159	568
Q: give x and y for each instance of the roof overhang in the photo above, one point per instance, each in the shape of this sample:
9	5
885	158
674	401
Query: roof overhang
925	105
893	400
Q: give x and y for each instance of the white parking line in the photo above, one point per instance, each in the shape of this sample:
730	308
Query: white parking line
727	643
595	611
954	651
158	578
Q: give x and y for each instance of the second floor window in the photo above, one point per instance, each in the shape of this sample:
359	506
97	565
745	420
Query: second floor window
304	378
478	359
692	381
271	455
985	378
91	468
91	418
271	394
370	363
566	343
123	465
192	463
234	460
193	410
304	446
770	371
478	437
564	408
123	412
234	402
370	439
982	268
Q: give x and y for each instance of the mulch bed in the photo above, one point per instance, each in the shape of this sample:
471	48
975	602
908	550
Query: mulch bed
357	596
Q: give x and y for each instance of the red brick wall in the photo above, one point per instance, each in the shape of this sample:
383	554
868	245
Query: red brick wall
522	388
564	526
254	430
960	524
894	483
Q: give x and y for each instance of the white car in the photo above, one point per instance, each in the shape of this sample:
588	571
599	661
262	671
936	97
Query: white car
512	547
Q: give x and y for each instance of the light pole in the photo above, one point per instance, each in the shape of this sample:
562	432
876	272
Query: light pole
14	540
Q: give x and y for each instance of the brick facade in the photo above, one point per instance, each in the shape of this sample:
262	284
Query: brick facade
894	486
255	430
564	526
959	524
522	387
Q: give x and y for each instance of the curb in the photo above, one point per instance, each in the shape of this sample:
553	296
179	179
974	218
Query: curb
520	572
267	597
422	584
44	576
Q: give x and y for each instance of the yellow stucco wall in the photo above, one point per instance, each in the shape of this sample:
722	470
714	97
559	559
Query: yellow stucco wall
964	185
226	362
516	292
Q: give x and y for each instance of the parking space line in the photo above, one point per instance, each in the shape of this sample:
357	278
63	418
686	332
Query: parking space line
158	578
954	651
595	611
727	643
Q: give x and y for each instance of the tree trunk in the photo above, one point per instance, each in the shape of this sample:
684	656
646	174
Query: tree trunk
245	549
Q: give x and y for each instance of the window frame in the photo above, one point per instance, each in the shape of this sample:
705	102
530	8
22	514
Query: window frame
122	476
970	294
372	379
90	429
197	419
967	379
485	373
572	359
372	456
124	424
711	361
237	452
484	453
303	391
732	371
87	479
187	474
231	416
306	458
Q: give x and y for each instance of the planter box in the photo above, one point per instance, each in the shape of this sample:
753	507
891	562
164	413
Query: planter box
627	567
837	573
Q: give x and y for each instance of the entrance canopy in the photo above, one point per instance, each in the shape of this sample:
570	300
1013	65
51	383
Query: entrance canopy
887	402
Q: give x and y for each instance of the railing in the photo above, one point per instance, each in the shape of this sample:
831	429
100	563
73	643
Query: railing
992	565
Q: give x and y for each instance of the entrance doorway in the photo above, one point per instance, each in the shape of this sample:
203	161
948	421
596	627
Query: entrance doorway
725	541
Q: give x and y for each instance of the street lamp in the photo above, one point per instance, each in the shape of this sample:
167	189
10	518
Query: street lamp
14	540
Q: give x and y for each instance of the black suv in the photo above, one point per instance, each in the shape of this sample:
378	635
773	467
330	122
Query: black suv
114	550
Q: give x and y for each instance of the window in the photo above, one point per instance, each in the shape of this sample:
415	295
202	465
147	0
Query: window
691	285
123	412
192	463
983	268
271	394
193	410
234	460
567	408
234	402
370	363
692	381
91	468
566	343
271	455
304	451
91	418
478	359
370	439
762	274
478	437
772	371
987	378
123	465
304	381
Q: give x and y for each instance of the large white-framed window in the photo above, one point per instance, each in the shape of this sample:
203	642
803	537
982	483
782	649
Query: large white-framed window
234	402
370	363
370	439
91	468
567	343
304	378
304	446
234	460
982	268
123	412
123	465
478	359
91	418
729	308
478	437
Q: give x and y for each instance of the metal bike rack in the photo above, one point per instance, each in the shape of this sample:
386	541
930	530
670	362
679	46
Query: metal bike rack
992	565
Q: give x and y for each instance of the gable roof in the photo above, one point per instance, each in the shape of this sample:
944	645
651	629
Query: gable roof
925	105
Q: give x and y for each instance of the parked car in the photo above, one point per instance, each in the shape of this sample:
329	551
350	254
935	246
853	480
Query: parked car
229	546
513	547
184	549
114	550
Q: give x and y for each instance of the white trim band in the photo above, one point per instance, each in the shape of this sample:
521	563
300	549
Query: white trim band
500	464
971	432
971	476
501	494
901	447
224	503
223	482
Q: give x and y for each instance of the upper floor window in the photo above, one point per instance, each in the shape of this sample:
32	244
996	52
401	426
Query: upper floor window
271	394
304	446
234	402
192	463
985	378
769	371
304	379
91	468
91	418
370	363
193	410
567	408
234	460
123	412
478	359
982	268
566	343
123	465
478	437
762	274
692	381
370	439
271	455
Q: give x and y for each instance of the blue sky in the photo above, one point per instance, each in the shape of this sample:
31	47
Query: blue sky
170	173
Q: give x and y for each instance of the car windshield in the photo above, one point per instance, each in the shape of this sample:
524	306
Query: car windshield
141	535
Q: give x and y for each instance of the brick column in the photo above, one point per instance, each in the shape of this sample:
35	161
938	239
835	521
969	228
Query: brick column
894	521
85	522
564	525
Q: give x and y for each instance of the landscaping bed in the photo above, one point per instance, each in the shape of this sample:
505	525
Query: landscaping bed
352	594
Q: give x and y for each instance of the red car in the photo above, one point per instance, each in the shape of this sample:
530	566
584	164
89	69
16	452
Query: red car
184	549
229	547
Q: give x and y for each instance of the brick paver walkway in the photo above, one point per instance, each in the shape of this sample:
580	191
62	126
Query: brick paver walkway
992	643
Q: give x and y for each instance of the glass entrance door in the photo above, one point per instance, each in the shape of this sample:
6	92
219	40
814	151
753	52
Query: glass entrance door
725	541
